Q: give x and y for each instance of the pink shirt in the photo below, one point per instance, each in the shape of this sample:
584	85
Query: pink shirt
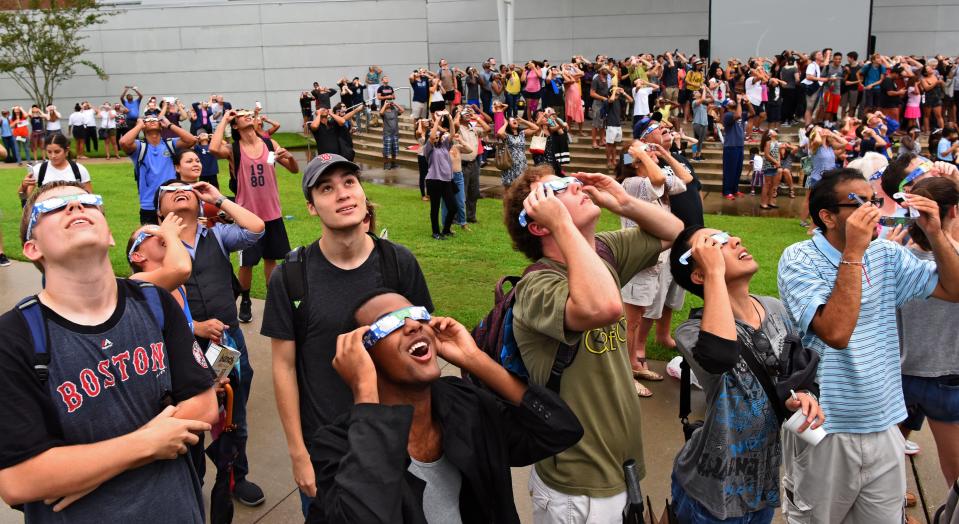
256	185
532	81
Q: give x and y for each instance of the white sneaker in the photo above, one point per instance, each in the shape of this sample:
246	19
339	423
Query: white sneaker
912	448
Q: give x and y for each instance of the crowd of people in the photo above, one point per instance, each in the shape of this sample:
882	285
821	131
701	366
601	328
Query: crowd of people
97	424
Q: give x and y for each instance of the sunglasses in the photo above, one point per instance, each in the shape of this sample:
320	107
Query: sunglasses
648	130
174	189
141	236
52	205
151	119
387	324
722	237
861	201
877	175
921	169
558	186
764	347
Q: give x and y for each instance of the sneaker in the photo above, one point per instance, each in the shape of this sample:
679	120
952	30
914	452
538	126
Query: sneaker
248	493
437	236
4	261
246	311
912	448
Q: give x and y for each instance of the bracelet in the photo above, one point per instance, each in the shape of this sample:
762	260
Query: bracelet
851	263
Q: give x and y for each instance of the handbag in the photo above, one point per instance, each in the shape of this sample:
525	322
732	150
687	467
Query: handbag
537	145
503	159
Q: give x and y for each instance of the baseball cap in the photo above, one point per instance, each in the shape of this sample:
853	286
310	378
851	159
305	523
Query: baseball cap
319	165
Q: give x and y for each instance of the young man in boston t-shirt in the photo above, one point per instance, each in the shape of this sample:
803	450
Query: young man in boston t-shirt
102	430
344	262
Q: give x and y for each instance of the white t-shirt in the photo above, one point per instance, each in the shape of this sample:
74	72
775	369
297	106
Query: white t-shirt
66	174
757	162
89	118
108	119
754	91
76	119
641	100
812	69
53	124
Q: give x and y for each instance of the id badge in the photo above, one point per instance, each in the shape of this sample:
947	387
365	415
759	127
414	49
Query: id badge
271	158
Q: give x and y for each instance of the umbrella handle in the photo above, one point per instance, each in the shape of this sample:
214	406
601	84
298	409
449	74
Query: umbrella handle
228	424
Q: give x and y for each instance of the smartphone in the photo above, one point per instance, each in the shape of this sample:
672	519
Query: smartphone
627	158
896	221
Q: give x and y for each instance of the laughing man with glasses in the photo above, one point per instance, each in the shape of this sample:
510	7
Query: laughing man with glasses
729	469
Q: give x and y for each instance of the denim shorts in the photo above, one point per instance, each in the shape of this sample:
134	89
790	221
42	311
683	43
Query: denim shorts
933	397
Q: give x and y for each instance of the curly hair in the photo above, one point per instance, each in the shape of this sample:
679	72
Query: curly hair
523	241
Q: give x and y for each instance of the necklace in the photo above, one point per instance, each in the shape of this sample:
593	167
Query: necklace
759	316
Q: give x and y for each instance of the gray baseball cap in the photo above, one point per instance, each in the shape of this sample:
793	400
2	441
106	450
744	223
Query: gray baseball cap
319	165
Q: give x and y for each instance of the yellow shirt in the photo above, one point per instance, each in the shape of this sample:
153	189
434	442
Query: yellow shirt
513	84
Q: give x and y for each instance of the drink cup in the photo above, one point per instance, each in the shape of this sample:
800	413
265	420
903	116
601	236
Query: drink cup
810	436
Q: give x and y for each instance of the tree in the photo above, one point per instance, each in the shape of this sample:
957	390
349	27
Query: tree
42	43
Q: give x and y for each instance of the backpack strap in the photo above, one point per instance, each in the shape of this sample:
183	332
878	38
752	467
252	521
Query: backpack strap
76	170
236	158
152	296
389	266
43	173
763	376
169	147
29	309
685	391
294	275
141	154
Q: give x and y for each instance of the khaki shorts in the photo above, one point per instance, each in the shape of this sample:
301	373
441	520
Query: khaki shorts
420	110
653	288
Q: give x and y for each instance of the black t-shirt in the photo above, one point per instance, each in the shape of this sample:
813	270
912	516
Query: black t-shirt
688	205
330	292
327	137
849	75
305	102
614	112
886	101
104	381
670	76
386	92
322	97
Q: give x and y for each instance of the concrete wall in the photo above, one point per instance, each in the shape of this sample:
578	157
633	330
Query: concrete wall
916	26
270	51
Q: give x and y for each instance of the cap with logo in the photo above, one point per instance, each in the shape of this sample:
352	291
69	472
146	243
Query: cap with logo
319	166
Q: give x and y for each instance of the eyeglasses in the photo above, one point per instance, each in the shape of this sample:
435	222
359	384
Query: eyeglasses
54	204
722	237
860	201
877	175
924	167
141	236
174	189
391	322
558	186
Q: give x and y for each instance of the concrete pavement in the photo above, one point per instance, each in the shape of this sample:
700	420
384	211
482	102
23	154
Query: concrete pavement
270	464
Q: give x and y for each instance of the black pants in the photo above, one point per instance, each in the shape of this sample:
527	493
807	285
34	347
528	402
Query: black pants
424	166
437	189
790	99
91	137
148	216
487	98
471	183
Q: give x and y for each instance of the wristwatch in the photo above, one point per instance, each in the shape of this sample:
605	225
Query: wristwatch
219	202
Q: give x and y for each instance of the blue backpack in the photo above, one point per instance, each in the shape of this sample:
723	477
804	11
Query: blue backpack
494	334
29	308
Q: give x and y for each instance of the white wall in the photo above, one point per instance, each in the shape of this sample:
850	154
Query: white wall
270	51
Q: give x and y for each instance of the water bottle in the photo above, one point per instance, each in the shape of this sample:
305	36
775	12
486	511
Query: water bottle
633	513
289	217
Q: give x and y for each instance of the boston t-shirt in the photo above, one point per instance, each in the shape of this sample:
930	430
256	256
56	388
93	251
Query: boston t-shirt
331	292
104	381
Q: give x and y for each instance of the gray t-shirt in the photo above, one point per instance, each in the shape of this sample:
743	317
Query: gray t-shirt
928	334
731	464
600	86
391	122
832	71
441	497
788	75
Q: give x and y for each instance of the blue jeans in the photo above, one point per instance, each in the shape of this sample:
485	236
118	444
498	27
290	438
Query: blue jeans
23	151
460	200
11	148
732	169
688	511
511	101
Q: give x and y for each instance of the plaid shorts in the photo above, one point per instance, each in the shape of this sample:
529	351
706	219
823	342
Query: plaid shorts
391	144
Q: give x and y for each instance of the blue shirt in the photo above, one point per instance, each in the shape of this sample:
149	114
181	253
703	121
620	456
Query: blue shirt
5	127
133	106
943	148
210	166
823	160
156	168
872	74
734	132
860	386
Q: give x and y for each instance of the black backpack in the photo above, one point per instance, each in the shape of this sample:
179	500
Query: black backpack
295	281
236	160
43	171
494	334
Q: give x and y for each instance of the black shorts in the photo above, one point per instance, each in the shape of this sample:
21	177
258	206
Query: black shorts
306	112
450	95
273	245
684	96
79	132
437	106
761	108
774	111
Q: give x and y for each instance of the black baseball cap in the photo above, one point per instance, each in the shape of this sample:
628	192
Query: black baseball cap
319	166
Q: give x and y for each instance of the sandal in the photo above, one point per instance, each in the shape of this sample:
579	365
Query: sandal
792	194
642	390
763	206
773	206
647	374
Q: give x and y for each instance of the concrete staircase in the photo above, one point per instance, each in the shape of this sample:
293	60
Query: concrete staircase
369	147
